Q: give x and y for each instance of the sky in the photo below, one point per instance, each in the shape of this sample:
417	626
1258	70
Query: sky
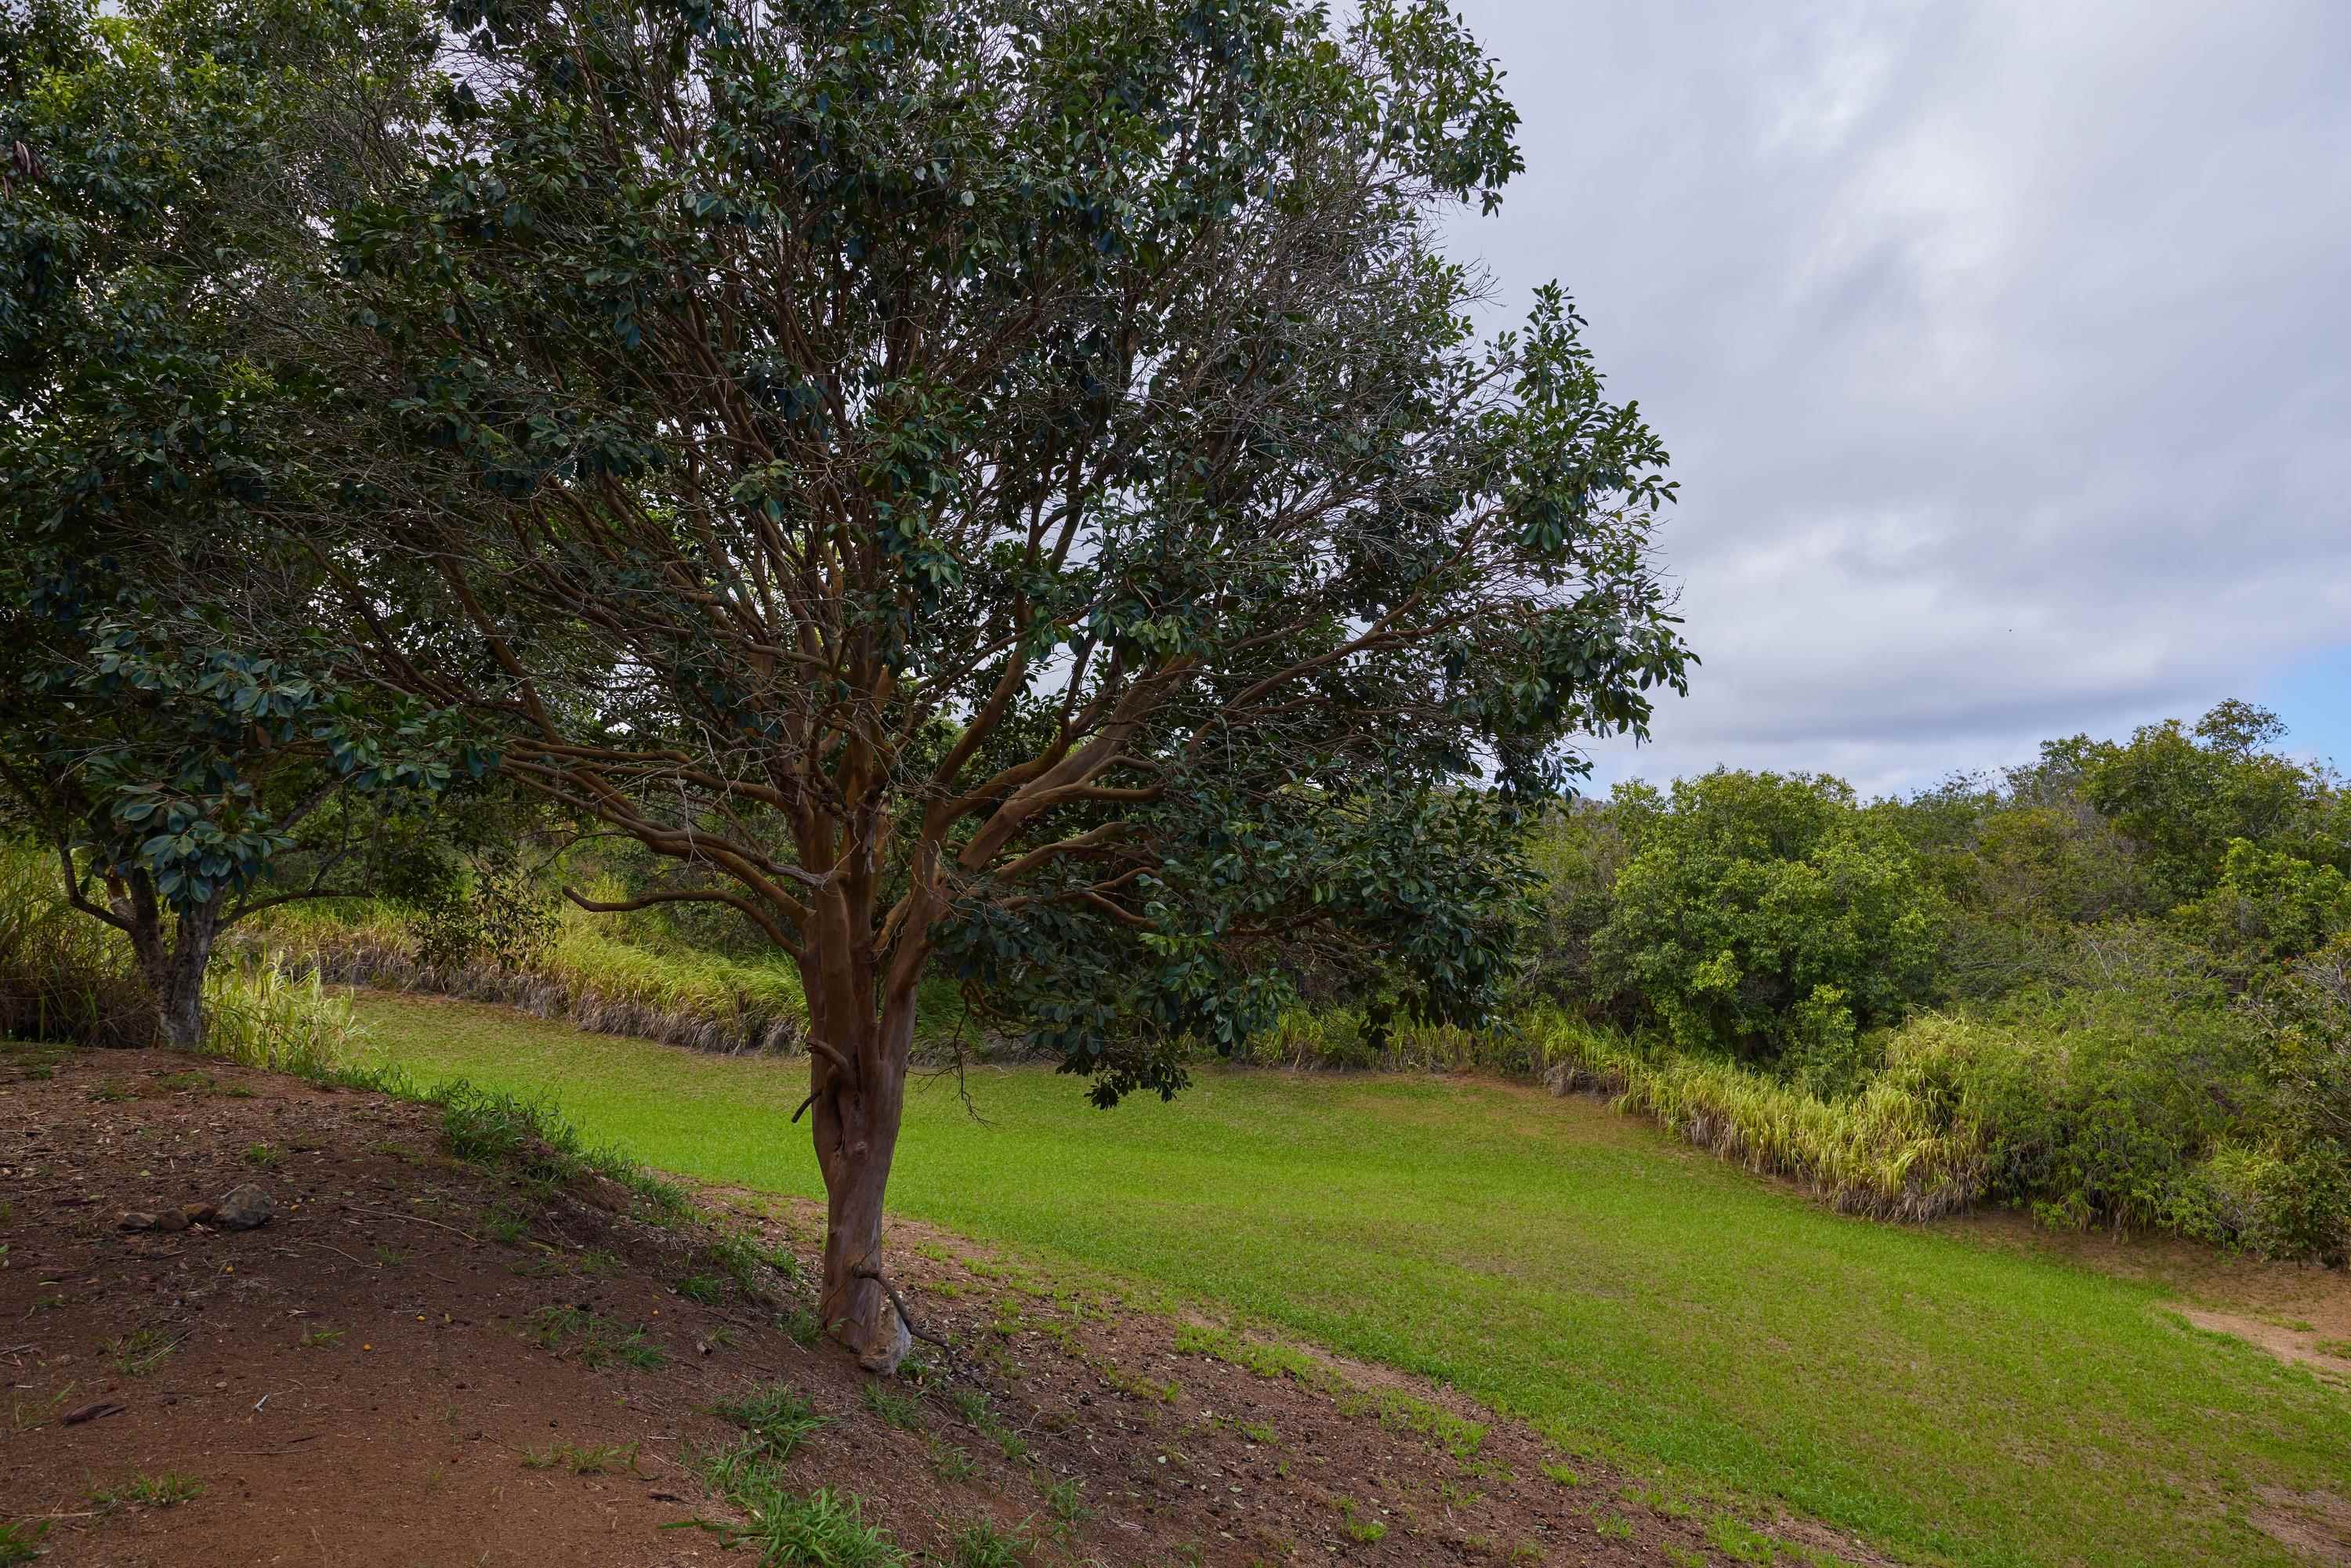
2003	350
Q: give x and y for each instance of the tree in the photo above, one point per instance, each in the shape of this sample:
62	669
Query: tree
1767	914
2184	795
1004	488
170	726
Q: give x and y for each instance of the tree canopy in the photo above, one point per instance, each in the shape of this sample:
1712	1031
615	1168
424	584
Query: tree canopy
1012	489
172	723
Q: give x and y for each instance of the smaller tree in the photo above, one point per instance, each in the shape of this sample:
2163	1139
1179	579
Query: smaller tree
1766	913
185	783
164	725
2183	794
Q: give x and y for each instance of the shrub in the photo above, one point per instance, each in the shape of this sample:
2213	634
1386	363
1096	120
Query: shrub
2279	1205
63	976
1762	914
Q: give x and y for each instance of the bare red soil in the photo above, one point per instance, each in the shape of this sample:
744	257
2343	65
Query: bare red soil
365	1379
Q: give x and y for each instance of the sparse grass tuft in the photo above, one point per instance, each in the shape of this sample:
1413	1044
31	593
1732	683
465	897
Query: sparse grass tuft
702	1288
748	1260
320	1339
803	1326
30	1415
778	1418
825	1529
263	1156
21	1543
602	1460
140	1352
166	1490
1359	1528
951	1463
981	1544
600	1342
902	1411
1066	1499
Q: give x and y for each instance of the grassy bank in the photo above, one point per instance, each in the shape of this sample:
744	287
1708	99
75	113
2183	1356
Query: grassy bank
584	975
1624	1292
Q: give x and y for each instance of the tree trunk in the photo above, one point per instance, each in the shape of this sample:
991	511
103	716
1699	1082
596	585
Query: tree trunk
859	1070
173	966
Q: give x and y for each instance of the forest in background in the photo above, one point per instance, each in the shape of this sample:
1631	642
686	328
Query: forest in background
2111	987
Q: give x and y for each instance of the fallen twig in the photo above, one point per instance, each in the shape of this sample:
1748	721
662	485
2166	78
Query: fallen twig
416	1218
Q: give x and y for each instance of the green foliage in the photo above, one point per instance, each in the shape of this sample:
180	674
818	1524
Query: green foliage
173	729
778	1418
1228	732
1768	917
21	1543
2105	1053
2183	795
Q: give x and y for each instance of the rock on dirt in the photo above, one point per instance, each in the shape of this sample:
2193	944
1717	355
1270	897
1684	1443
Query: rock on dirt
243	1208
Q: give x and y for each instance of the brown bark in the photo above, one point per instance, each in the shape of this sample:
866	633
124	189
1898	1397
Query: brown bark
173	964
859	1099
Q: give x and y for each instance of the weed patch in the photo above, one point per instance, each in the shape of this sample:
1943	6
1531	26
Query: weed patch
608	1459
900	1410
778	1420
140	1352
166	1490
597	1341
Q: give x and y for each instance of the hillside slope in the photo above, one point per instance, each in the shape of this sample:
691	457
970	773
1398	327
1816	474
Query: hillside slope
425	1360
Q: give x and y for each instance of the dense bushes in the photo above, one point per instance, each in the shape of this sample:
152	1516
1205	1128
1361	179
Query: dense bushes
1764	916
2113	987
63	976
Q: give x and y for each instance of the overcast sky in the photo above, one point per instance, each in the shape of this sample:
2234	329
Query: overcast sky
2003	349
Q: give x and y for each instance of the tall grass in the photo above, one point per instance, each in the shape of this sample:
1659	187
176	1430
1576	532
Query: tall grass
260	1015
1906	1147
585	976
1898	1150
64	977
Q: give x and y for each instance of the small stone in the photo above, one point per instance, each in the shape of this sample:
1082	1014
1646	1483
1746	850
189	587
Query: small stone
137	1220
199	1213
245	1209
172	1219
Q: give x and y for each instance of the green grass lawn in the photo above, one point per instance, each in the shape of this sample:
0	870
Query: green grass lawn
1632	1298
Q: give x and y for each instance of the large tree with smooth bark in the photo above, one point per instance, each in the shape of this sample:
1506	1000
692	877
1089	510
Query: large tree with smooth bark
1010	489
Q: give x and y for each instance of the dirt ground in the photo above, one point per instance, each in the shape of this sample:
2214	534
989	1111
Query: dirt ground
369	1378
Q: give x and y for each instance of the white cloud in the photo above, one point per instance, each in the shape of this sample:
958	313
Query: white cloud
2002	348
